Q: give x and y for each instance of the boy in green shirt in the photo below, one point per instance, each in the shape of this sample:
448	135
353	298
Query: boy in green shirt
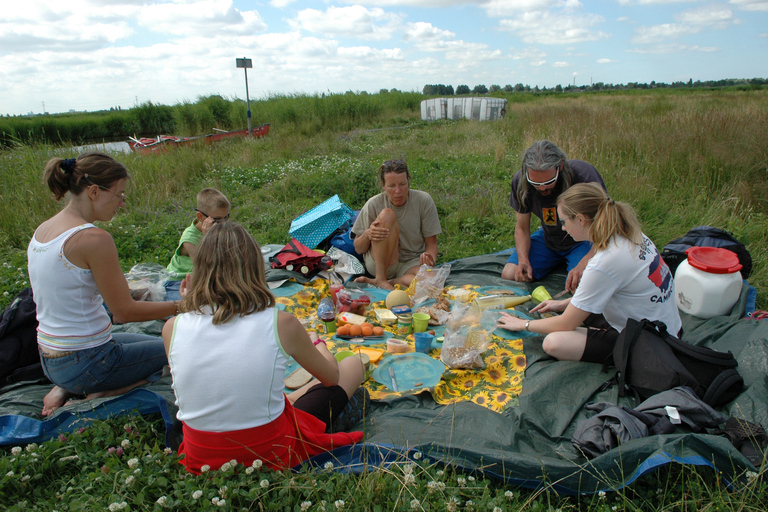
212	207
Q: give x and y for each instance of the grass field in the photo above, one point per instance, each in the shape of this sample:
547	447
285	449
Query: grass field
681	160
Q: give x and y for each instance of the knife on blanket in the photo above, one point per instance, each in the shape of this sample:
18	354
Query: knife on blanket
392	376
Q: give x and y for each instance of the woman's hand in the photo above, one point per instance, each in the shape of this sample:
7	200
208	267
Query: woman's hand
510	322
426	258
376	232
551	305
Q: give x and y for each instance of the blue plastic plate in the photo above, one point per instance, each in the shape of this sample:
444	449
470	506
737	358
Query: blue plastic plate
413	370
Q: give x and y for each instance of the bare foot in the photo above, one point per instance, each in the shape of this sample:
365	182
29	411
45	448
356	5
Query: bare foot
381	284
55	399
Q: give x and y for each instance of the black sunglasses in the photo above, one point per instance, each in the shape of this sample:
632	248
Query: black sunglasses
215	219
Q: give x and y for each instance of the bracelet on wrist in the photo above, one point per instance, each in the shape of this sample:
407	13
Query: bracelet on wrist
176	303
319	340
527	324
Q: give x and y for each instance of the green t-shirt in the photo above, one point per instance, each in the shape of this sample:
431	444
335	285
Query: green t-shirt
181	265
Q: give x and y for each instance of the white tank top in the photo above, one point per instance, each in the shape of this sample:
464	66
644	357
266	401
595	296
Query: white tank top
230	376
70	309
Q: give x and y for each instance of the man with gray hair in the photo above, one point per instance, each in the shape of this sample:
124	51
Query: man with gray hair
544	175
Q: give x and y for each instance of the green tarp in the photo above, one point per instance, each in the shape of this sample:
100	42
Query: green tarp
528	444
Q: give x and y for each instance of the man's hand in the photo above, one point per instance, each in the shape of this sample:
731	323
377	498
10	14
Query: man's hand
524	272
574	276
426	258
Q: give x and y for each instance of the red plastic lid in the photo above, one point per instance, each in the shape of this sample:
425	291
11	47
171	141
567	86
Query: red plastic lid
714	260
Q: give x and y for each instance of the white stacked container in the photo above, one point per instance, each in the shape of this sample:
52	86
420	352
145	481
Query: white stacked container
708	283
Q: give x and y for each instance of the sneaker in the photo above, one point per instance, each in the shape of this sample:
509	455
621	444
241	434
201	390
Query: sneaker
353	412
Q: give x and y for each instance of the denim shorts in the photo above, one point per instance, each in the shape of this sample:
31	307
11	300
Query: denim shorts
124	360
543	259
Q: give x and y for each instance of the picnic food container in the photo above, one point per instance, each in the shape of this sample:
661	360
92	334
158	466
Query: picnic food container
349	318
400	310
404	324
396	346
459	294
708	283
385	316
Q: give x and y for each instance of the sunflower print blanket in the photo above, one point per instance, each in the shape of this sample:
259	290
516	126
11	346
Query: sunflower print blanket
496	387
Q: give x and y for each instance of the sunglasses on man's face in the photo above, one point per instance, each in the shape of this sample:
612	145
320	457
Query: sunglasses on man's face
215	219
543	183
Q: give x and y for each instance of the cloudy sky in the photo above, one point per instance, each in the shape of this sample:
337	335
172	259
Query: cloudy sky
97	54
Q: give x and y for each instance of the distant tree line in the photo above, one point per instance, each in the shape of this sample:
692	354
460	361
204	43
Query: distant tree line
447	90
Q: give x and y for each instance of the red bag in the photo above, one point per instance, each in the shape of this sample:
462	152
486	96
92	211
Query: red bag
297	257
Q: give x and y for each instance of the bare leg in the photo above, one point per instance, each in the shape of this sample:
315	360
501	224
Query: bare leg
351	373
115	392
384	252
566	345
509	271
55	399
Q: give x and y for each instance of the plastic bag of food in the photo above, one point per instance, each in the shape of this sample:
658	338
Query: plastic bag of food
467	336
428	283
146	281
352	301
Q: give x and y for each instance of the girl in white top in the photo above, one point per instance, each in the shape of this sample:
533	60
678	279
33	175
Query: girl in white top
228	351
73	271
626	278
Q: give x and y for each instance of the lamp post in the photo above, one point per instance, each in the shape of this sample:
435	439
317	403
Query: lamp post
245	64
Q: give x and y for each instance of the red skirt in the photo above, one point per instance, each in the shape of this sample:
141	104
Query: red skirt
289	440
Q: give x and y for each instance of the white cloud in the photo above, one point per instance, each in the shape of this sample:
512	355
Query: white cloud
673	48
281	3
560	64
529	54
605	61
688	22
353	21
421	31
554	28
751	5
201	17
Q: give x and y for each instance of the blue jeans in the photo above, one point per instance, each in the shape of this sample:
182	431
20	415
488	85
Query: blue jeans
124	360
543	259
172	290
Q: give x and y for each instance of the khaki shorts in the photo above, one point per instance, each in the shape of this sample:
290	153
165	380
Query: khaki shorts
397	270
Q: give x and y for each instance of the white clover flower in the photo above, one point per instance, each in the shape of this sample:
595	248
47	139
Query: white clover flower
440	472
328	465
130	480
615	508
339	504
16	450
215	500
167	451
462	481
137	471
205	468
31	447
264	483
509	495
471	478
469	504
257	464
133	463
408	468
409	479
125	444
161	501
415	504
225	467
223	491
321	507
497	509
249	470
233	463
305	505
417	455
222	503
601	495
5	294
452	505
25	478
751	476
197	494
114	507
10	474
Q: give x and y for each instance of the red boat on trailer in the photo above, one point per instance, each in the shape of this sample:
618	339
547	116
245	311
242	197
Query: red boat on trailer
163	142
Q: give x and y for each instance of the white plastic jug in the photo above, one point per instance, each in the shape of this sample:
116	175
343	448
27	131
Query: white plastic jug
708	283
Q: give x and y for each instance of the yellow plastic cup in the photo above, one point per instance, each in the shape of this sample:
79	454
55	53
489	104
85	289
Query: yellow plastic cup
540	294
420	322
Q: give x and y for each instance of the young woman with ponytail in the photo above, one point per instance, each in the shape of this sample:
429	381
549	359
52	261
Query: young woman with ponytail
626	278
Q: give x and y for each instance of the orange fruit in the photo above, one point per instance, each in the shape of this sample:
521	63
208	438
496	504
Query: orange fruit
378	331
367	330
355	330
366	324
343	330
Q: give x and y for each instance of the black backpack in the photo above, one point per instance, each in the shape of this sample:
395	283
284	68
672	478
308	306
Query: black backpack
650	360
706	236
19	358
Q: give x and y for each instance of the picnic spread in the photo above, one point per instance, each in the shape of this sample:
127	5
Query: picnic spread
512	418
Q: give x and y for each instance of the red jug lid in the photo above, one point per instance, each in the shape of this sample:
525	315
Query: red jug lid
714	260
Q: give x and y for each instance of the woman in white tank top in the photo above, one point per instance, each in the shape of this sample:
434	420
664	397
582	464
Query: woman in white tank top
228	352
74	270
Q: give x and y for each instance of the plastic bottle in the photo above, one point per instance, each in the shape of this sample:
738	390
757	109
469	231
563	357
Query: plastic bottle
499	301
